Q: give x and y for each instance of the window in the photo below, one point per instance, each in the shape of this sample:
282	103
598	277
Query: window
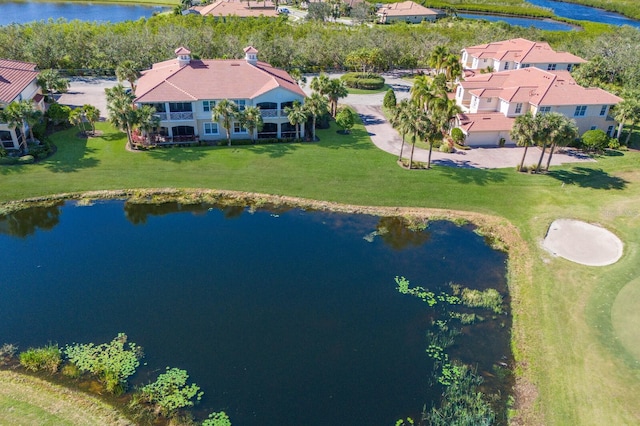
593	127
459	91
489	100
544	110
240	103
525	65
210	128
180	107
207	106
569	67
506	65
610	131
237	128
580	111
603	110
551	67
518	108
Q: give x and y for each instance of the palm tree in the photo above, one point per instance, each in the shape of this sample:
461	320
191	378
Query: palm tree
296	115
13	115
401	121
50	81
316	105
546	124
562	136
120	109
251	119
128	71
627	110
147	120
30	115
523	132
225	111
76	118
433	126
421	91
92	114
452	67
336	90
438	57
417	121
320	84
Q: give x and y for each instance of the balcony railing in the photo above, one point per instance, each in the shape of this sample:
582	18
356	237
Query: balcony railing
272	113
181	116
161	115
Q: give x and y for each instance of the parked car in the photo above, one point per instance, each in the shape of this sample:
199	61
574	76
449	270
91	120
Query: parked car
283	10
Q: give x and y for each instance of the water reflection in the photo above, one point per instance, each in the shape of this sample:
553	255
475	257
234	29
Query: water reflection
26	222
399	235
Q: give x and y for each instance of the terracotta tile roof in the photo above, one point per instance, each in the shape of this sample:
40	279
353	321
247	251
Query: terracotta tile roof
485	122
522	51
15	76
211	79
538	87
240	9
406	8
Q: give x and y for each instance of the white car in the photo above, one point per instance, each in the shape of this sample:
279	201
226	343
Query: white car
283	10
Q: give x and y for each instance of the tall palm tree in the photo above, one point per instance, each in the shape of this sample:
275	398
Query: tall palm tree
421	91
434	125
524	132
627	110
320	84
120	109
297	115
336	90
92	114
437	58
51	82
562	136
452	67
251	119
225	111
30	115
417	123
401	121
546	124
316	105
128	71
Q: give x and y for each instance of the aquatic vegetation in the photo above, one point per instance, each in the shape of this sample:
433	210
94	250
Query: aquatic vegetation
46	358
217	419
170	392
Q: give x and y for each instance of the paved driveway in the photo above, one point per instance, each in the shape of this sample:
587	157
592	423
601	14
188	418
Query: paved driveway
88	91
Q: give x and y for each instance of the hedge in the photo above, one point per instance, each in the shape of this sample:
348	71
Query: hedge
363	80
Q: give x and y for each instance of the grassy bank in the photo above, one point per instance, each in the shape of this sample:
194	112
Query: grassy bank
26	400
567	346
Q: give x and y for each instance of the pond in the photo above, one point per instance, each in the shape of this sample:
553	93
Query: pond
283	317
543	24
23	12
584	13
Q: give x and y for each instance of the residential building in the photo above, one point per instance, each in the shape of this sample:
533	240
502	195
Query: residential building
184	92
18	81
515	54
406	11
238	8
491	102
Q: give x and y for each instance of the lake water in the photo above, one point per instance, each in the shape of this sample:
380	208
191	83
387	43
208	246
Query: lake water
28	11
543	24
584	13
282	317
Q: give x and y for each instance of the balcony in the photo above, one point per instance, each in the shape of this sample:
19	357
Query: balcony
181	116
162	116
272	113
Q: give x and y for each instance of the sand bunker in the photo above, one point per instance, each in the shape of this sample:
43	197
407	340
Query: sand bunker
582	243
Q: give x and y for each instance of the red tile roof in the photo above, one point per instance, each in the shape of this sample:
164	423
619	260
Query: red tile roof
522	51
211	79
485	122
406	8
15	76
240	9
538	87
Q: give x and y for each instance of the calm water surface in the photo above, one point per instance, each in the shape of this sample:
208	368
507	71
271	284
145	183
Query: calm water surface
585	13
28	11
287	318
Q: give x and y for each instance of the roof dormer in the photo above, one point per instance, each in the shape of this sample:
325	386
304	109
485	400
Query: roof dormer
184	56
251	55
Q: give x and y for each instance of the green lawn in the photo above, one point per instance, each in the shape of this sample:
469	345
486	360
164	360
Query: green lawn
368	92
567	346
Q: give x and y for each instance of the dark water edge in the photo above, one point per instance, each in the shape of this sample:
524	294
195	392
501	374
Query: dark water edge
240	339
542	24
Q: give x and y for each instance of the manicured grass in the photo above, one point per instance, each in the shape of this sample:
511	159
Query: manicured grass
26	400
368	92
563	336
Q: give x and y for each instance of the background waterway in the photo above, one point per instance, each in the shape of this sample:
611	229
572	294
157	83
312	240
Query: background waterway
28	11
543	24
585	13
282	317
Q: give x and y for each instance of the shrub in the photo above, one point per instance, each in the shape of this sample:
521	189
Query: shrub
389	100
71	371
37	359
446	148
595	140
345	119
170	392
614	143
457	135
362	80
111	362
26	159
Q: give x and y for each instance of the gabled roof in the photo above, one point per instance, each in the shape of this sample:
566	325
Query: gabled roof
406	8
240	9
523	51
538	87
15	76
211	79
